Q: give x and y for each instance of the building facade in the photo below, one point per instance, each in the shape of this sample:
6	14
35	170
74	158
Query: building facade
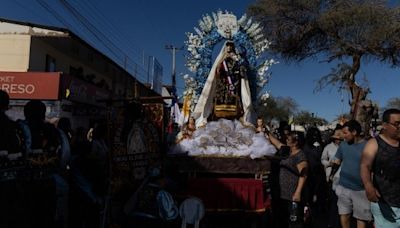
56	66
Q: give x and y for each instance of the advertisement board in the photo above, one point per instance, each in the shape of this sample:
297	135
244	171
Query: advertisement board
156	74
75	89
31	85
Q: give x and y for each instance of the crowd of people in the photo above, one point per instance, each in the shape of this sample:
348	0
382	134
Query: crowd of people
352	177
51	176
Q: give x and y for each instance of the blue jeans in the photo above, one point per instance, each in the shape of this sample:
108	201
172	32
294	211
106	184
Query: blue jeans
385	216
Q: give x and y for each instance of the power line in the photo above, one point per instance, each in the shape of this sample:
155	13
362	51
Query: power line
106	21
54	13
97	33
121	57
28	10
61	19
118	38
89	26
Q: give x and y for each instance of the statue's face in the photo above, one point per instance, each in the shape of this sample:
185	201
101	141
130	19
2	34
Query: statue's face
259	122
227	25
230	48
191	120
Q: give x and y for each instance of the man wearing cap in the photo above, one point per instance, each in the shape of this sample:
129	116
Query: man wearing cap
328	154
332	175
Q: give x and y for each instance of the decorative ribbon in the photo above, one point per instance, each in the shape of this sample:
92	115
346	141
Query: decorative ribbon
231	86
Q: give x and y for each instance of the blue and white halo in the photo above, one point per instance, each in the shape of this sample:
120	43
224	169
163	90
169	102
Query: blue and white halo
248	38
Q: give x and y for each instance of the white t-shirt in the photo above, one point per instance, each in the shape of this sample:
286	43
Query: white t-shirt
328	155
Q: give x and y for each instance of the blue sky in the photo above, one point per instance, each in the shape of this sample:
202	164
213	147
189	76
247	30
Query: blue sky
143	27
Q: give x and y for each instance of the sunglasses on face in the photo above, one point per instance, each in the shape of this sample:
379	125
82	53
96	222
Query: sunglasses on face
395	124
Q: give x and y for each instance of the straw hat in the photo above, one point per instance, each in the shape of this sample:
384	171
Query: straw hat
338	134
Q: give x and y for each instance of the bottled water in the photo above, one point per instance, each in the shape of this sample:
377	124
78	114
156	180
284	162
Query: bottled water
293	212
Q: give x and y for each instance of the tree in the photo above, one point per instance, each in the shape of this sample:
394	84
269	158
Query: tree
350	32
279	108
306	118
393	102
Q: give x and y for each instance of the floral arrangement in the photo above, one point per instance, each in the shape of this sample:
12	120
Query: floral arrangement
249	42
191	88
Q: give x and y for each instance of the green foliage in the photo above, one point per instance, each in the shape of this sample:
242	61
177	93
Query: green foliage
349	32
278	108
393	103
299	29
305	118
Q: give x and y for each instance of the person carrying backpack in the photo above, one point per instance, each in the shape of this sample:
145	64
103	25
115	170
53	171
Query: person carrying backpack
10	156
41	143
9	141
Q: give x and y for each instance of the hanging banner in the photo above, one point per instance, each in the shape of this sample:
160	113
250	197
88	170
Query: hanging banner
155	114
136	143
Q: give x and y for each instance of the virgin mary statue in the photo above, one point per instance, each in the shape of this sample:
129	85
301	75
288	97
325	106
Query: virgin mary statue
226	93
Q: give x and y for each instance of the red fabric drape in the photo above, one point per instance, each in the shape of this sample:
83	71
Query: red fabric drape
229	194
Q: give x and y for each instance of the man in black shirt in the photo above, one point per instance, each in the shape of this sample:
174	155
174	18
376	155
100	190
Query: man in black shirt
10	151
9	141
381	161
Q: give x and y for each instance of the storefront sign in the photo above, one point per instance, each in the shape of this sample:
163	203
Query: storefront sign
78	90
31	85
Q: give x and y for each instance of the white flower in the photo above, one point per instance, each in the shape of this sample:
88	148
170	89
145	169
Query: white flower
259	30
199	32
247	24
265	46
215	17
194	52
209	23
192	68
252	29
202	25
206	23
242	20
262	83
265	96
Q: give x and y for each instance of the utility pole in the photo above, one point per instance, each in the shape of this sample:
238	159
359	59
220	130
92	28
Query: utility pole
174	49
